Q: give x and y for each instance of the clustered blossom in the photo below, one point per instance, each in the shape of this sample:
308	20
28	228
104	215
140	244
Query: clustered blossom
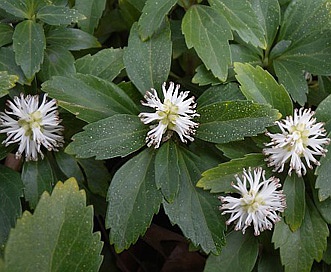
174	114
31	125
300	137
258	205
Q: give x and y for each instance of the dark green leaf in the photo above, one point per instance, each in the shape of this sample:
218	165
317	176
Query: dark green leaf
177	38
118	135
239	254
269	16
224	122
299	249
242	19
7	63
204	77
261	87
152	16
57	62
58	15
68	165
6	34
58	236
219	93
90	98
294	189
18	8
323	180
219	178
208	32
279	48
240	53
11	189
93	10
148	63
29	44
6	82
37	177
239	149
167	173
323	113
71	38
324	207
196	211
133	200
106	64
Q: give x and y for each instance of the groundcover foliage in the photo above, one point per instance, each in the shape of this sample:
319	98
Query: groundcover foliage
119	178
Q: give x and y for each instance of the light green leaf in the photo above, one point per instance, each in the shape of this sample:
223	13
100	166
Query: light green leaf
293	80
133	199
196	211
148	63
303	17
208	32
106	64
7	63
37	177
6	82
6	34
90	98
152	16
167	173
11	190
57	62
261	87
228	121
29	44
71	38
323	113
58	236
219	93
118	135
239	254
242	19
92	9
294	189
299	249
58	15
269	17
323	180
204	77
219	178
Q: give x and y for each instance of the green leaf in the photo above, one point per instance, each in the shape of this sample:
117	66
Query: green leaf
7	63
242	19
11	190
69	166
196	211
239	149
106	64
133	200
239	254
71	38
228	121
90	98
261	87
323	180
93	10
269	17
241	53
57	62
303	17
6	34
29	44
6	82
204	77
37	177
323	113
208	32
58	15
167	173
219	178
152	16
148	63
299	249
293	80
58	236
219	93
294	189
17	8
118	135
324	207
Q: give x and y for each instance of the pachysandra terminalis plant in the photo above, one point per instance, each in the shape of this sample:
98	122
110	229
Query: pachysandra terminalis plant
169	107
